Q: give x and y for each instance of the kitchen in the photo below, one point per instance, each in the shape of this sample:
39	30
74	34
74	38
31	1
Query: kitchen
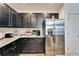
34	29
22	32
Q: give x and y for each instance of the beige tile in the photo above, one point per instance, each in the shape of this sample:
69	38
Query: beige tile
39	54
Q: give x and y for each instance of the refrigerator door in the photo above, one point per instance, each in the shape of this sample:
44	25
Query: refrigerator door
59	37
55	37
49	49
59	45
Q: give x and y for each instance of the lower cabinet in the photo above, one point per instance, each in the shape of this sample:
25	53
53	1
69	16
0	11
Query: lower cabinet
10	49
9	52
32	45
0	51
24	45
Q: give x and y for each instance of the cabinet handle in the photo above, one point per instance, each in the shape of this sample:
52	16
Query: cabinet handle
13	43
14	47
25	39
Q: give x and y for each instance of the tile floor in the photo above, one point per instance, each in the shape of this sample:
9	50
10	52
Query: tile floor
38	54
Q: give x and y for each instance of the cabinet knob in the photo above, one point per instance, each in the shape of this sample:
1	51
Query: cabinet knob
14	47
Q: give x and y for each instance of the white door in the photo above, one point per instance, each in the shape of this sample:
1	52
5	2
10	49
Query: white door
72	34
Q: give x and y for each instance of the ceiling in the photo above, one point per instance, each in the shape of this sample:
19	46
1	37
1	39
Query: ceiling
36	7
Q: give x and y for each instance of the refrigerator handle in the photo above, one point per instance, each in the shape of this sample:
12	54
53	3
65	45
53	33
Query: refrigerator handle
54	39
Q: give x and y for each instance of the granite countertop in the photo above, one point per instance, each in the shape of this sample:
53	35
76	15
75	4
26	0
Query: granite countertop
6	41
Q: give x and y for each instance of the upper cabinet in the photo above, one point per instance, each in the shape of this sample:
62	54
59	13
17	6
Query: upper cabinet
7	16
37	20
10	18
33	20
18	22
30	20
4	15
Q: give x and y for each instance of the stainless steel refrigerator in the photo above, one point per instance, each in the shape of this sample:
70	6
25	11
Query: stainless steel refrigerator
54	31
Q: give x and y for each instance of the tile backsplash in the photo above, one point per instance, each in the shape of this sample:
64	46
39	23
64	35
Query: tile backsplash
19	30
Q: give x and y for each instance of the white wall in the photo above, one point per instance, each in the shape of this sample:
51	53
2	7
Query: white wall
71	29
61	12
72	7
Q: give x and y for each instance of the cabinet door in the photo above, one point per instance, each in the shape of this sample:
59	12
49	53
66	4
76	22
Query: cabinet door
40	19
0	52
33	21
26	20
37	20
17	49
19	20
4	16
9	53
32	45
1	14
7	16
13	18
10	49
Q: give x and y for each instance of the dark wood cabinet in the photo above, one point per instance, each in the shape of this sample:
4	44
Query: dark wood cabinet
37	20
27	20
10	49
19	21
23	45
14	15
4	16
10	18
34	20
23	20
7	16
0	52
30	45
